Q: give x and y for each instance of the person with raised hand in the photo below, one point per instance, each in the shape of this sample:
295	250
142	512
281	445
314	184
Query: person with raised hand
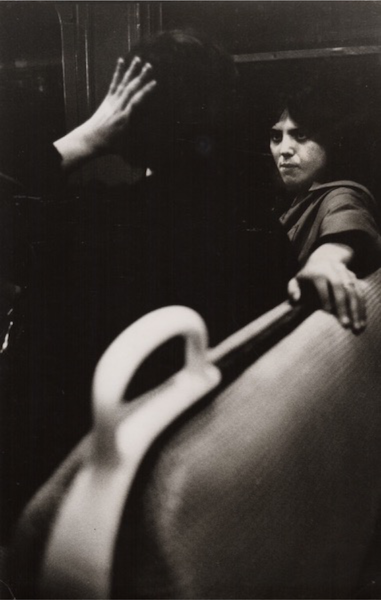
168	109
187	234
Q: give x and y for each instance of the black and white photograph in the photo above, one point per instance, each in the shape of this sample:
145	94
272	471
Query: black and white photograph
190	299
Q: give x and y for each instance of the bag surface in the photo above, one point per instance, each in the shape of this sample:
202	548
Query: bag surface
267	488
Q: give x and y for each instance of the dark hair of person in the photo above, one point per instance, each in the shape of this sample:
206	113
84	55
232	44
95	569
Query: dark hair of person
194	96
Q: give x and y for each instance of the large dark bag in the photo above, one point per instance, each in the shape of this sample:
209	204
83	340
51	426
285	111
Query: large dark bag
268	487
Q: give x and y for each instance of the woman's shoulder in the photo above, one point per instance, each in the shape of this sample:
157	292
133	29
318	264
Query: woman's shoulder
342	187
344	193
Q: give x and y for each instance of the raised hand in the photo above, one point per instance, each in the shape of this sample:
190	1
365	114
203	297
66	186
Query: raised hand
127	91
104	131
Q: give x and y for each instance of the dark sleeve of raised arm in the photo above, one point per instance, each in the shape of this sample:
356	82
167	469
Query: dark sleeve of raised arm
43	175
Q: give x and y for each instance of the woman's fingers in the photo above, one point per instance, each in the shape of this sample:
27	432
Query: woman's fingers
363	316
356	304
341	306
293	290
136	84
117	76
132	71
349	301
321	285
338	289
138	97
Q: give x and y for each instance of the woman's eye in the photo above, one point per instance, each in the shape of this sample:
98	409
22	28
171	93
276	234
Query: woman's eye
275	137
301	136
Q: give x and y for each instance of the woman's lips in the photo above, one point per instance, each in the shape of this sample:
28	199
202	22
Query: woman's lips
287	166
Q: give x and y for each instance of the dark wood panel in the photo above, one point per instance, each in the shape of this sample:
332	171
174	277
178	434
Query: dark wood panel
263	26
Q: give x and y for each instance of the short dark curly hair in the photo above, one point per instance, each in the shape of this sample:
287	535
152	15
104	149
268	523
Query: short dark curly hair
330	113
196	82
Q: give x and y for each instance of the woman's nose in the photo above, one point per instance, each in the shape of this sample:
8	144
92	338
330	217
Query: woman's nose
287	147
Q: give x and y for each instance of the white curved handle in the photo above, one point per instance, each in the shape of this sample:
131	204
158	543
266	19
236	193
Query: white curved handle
79	554
121	360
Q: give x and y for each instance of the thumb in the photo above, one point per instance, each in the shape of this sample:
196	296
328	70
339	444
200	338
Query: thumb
293	290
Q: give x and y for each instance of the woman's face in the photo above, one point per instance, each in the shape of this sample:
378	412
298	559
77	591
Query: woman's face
301	161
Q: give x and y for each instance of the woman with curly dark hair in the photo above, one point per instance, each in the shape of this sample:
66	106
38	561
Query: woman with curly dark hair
333	219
